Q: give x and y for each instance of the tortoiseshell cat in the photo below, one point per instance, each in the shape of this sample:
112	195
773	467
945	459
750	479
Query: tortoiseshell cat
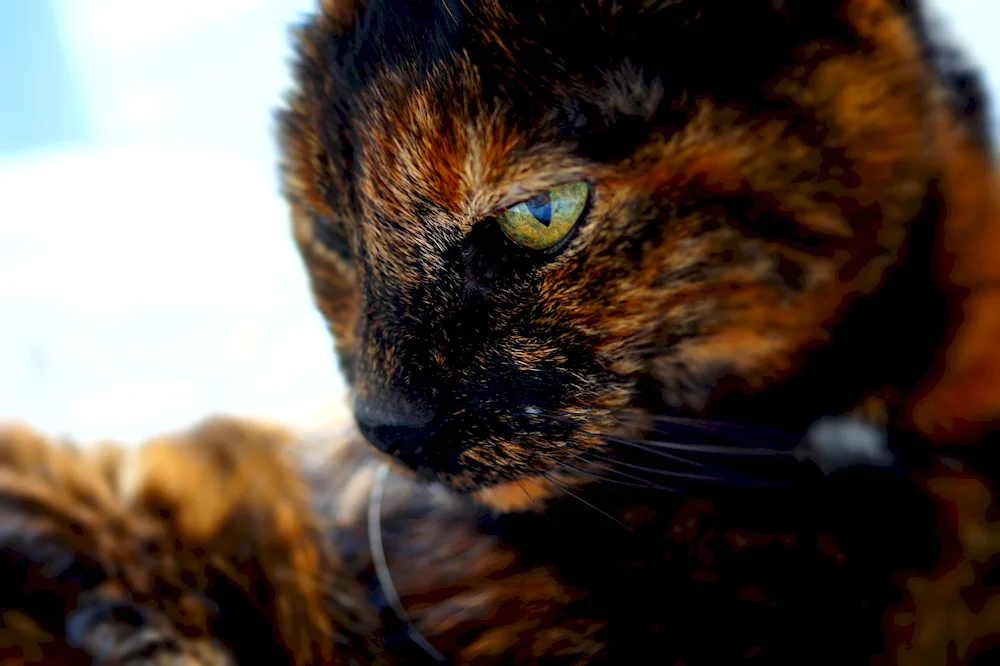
620	288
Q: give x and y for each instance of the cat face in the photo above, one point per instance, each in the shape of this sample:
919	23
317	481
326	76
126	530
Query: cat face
535	227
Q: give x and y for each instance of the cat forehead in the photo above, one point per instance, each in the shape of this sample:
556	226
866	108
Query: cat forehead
440	144
449	105
428	142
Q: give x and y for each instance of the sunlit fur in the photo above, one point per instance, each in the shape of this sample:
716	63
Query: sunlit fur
793	216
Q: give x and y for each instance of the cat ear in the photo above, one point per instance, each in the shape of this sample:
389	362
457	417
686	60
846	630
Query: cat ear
960	398
340	13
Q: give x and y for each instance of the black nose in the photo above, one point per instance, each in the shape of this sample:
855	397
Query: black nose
396	424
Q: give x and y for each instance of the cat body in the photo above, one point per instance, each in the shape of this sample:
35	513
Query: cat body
668	332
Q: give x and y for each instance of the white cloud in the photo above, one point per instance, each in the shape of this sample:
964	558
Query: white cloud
118	26
145	226
147	286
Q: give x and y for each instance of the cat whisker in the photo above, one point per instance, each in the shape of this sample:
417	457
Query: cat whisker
655	470
512	475
626	441
716	449
700	426
599	510
657	486
731	431
715	474
689	453
734	431
528	495
643	483
647	449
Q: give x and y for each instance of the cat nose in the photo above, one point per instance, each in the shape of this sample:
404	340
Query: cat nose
395	423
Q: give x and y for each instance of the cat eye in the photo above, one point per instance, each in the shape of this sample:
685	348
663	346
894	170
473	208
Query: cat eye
541	221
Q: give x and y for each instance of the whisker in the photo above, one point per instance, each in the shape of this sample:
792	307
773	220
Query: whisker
655	470
633	443
728	429
528	495
580	499
717	449
737	440
644	483
722	475
512	475
712	449
639	445
579	456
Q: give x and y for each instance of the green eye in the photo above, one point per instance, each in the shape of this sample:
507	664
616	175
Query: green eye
542	220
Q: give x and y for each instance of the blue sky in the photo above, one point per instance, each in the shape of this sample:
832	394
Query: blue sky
147	277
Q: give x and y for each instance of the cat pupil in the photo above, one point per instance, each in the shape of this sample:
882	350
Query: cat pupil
541	207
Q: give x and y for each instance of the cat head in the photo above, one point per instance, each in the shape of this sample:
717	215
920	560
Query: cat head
536	228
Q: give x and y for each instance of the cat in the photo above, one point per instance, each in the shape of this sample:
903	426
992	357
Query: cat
667	327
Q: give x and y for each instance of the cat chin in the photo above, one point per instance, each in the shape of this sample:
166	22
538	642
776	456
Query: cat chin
527	495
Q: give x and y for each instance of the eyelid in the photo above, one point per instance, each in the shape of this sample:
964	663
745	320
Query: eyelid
521	197
517	195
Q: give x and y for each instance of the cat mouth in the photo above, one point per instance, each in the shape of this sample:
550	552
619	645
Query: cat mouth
685	455
687	451
702	457
664	452
420	449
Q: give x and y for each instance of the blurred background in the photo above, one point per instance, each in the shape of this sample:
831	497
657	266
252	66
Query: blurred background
147	276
